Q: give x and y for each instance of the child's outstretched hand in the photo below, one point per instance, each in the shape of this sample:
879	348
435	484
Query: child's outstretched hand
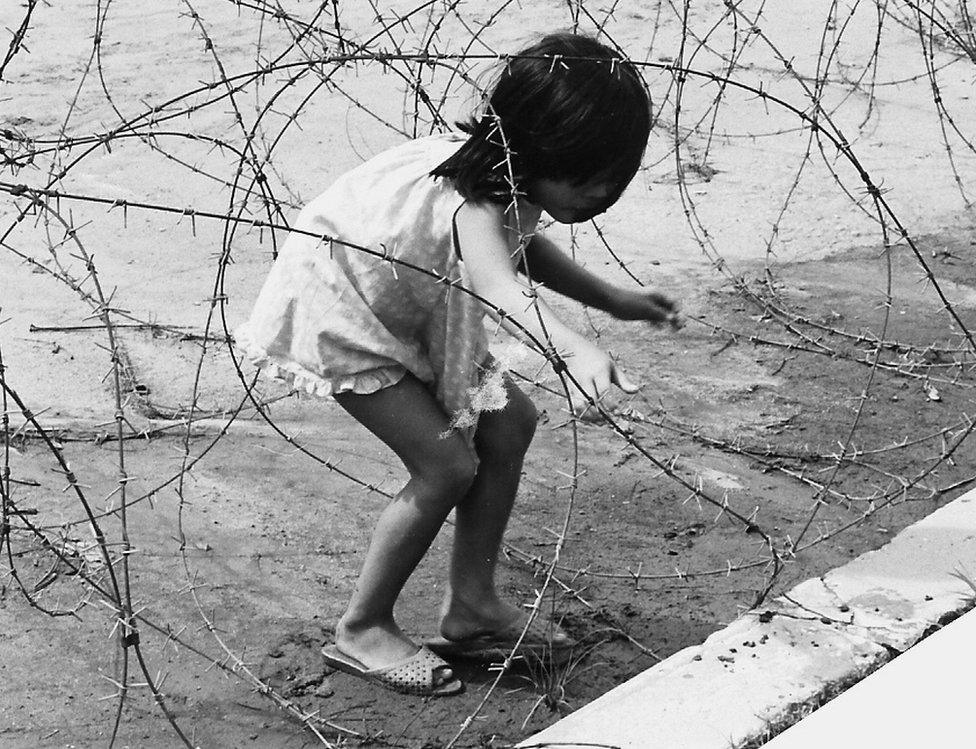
646	305
596	371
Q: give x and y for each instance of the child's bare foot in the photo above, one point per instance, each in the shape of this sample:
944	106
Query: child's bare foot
383	655
374	646
462	620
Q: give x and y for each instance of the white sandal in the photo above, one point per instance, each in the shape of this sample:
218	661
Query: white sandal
417	674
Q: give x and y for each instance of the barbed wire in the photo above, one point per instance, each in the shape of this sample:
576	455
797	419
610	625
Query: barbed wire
247	113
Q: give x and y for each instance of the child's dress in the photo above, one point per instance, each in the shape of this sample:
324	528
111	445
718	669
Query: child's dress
333	319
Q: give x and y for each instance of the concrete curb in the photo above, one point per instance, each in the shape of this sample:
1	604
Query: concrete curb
776	664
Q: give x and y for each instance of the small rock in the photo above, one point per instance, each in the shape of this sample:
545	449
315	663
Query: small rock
324	689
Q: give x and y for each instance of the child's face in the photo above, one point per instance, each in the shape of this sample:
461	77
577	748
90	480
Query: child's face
569	203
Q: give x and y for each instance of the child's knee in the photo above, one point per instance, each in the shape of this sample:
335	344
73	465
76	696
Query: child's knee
510	435
524	424
451	474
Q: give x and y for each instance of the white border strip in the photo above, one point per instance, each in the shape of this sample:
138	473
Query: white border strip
776	664
922	698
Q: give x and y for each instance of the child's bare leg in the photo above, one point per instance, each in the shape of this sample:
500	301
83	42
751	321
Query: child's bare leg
502	438
410	421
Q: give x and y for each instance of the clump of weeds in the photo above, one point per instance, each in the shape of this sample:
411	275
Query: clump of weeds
550	675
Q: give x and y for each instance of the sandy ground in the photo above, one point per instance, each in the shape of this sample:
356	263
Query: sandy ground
247	535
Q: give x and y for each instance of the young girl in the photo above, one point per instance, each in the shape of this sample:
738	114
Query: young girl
563	132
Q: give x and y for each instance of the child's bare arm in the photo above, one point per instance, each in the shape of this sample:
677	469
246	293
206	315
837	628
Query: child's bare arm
547	264
486	246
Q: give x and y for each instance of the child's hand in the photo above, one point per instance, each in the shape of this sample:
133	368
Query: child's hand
595	371
646	305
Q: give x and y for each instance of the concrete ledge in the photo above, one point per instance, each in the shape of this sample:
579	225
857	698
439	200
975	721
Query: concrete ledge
766	666
925	697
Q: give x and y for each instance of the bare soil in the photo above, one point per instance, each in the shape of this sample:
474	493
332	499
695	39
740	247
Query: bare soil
248	536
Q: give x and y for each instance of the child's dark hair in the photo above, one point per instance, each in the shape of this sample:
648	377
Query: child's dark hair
567	108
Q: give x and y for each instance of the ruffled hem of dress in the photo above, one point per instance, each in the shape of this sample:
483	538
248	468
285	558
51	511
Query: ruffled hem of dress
304	380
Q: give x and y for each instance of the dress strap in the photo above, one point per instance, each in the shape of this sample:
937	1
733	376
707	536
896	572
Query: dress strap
455	242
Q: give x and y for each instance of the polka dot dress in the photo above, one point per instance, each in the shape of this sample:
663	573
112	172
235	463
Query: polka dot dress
331	318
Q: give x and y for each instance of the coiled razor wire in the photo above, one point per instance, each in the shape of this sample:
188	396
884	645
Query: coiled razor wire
437	56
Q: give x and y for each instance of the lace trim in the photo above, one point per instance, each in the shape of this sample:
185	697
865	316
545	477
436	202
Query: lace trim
300	378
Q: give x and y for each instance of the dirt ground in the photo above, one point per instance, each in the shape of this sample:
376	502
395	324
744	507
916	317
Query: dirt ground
247	535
